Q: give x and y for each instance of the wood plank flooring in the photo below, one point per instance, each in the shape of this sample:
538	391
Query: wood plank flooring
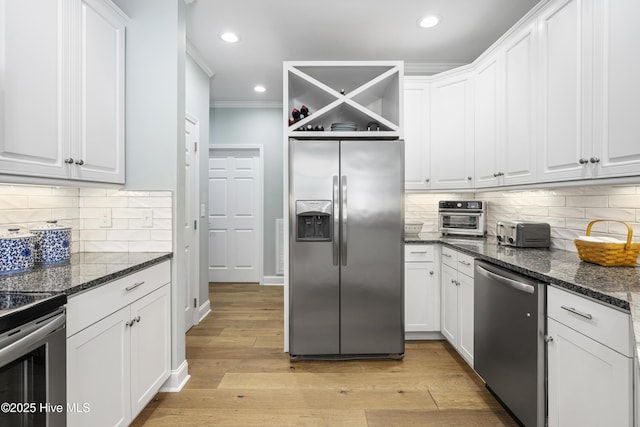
241	377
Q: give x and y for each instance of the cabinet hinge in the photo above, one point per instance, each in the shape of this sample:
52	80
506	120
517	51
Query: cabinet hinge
195	303
195	146
195	224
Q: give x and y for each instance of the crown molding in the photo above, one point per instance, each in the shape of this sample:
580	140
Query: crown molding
428	69
197	57
245	104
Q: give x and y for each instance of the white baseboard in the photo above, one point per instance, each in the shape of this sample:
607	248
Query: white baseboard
177	379
418	336
204	310
273	281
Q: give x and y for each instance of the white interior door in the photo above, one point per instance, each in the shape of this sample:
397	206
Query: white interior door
235	217
191	252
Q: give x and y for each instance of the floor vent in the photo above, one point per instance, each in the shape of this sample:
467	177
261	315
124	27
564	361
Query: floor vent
279	246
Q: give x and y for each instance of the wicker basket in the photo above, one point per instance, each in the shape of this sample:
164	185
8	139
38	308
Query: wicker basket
609	254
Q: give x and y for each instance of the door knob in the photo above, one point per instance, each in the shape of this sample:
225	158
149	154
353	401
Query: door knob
548	338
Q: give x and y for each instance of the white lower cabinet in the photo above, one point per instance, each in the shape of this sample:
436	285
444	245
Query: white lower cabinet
457	301
115	365
590	363
421	292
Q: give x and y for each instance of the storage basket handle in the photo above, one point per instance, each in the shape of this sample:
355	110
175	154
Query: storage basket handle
629	229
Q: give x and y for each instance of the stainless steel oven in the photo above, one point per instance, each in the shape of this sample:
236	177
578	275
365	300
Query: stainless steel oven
462	217
32	360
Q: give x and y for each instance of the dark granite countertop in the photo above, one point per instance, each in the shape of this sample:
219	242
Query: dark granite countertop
618	287
85	270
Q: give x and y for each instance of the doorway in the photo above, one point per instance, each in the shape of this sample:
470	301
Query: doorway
192	201
236	176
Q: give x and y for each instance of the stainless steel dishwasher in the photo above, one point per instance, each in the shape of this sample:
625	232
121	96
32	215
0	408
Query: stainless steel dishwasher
509	323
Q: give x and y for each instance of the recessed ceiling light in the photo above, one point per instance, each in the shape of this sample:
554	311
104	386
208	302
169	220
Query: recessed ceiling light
428	21
229	37
260	89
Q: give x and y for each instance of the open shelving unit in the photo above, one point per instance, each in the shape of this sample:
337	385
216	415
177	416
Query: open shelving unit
344	91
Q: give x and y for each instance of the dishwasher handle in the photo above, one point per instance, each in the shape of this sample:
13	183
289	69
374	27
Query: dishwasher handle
519	286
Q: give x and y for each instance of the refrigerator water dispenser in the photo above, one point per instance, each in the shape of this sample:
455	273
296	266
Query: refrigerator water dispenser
313	219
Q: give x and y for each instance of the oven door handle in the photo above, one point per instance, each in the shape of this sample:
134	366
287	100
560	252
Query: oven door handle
16	349
523	287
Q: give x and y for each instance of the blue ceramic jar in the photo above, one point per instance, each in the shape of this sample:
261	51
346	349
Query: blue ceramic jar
16	251
53	243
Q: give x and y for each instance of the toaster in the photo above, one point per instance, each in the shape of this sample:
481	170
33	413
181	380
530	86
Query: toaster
523	234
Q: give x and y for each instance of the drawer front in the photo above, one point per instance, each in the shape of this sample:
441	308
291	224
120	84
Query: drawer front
465	264
88	307
449	257
597	321
419	253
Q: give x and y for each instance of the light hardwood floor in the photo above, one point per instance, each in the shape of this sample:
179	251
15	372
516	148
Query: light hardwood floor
241	377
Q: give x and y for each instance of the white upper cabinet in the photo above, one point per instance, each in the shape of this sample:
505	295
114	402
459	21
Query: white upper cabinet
34	57
62	89
487	121
517	157
99	153
367	94
416	133
564	78
451	131
616	110
589	89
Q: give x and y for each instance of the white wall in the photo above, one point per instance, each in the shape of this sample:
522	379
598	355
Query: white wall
155	114
197	104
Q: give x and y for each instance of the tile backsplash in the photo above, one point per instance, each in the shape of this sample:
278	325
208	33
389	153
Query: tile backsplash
102	220
568	210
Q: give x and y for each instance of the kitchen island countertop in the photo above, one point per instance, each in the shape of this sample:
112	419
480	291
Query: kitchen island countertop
84	271
618	287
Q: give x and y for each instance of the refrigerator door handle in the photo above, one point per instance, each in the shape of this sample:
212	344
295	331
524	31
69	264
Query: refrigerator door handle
336	220
344	220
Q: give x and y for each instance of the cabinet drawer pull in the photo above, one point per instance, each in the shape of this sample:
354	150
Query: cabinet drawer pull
132	287
574	311
417	252
447	255
464	262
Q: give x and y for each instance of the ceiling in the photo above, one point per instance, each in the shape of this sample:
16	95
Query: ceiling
272	31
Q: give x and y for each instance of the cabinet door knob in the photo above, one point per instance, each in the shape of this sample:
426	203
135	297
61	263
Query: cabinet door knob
431	273
69	160
80	162
583	161
594	160
427	180
469	178
453	281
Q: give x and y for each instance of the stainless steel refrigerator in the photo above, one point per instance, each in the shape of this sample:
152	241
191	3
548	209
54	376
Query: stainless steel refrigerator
346	248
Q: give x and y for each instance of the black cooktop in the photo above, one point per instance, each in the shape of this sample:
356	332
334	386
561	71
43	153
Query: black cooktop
18	308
